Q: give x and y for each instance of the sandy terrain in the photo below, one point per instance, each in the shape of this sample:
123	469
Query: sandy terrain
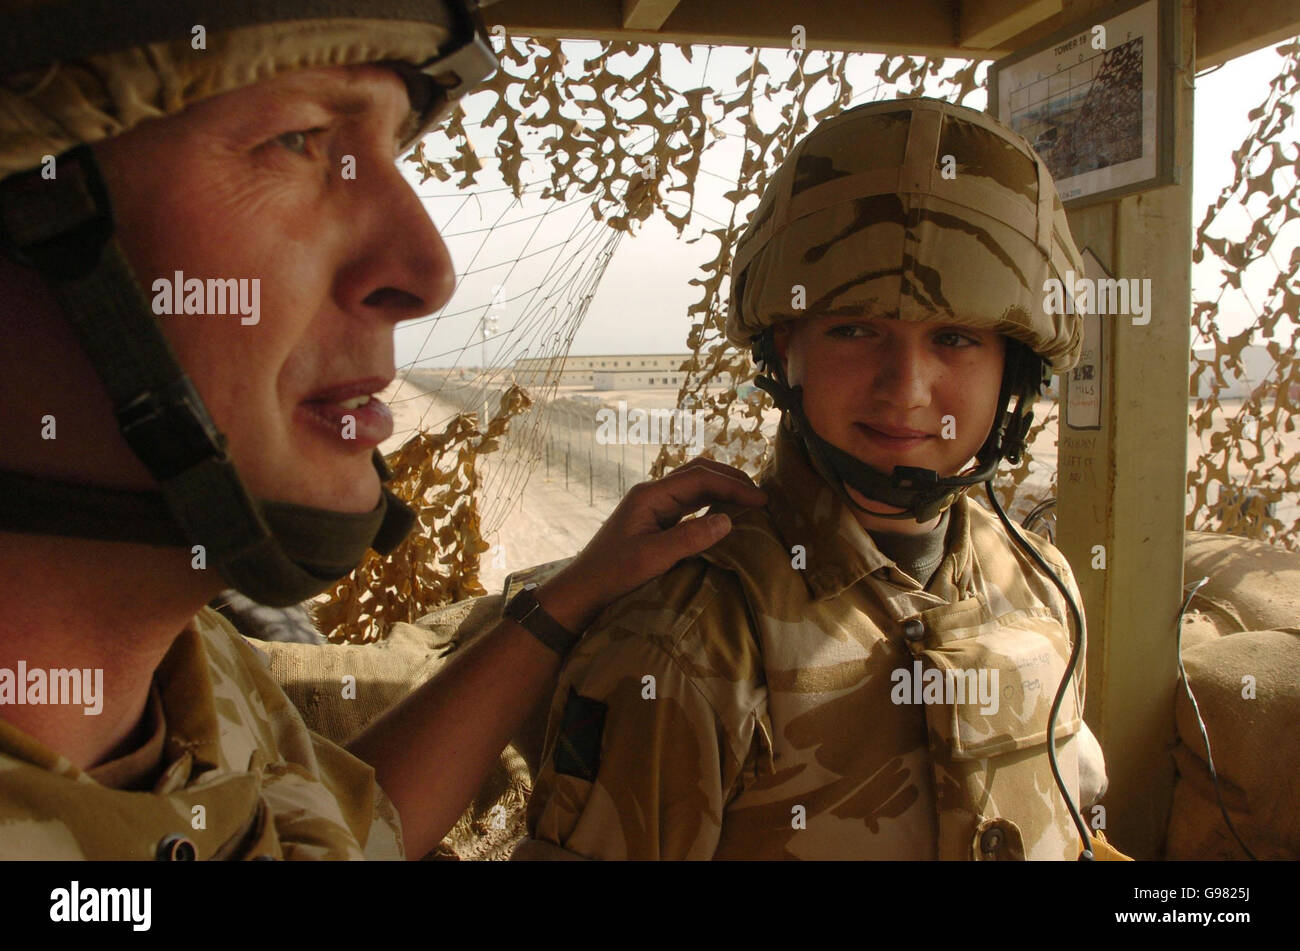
545	522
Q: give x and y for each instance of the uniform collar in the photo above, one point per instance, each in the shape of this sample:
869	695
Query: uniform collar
182	691
139	767
838	552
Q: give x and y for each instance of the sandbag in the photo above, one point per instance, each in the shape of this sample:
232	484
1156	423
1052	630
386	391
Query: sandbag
1253	586
1200	626
385	671
313	678
1255	742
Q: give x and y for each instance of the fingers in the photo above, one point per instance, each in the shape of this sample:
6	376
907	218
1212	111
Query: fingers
702	482
691	537
642	538
713	465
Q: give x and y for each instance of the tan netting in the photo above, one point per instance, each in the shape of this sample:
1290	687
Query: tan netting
634	143
1243	452
437	475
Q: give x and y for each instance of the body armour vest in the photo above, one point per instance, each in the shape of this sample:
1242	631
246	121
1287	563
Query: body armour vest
911	722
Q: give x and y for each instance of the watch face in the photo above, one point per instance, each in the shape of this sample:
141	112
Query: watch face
526	611
521	603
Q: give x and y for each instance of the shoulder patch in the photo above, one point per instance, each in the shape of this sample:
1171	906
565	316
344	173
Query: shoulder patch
577	748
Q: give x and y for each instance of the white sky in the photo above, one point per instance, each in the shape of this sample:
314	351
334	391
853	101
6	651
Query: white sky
641	304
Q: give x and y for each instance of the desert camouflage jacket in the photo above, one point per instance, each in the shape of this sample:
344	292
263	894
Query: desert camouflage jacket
794	694
242	776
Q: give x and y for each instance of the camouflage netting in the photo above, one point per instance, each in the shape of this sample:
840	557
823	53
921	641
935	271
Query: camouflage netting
623	135
437	475
1246	456
627	139
633	164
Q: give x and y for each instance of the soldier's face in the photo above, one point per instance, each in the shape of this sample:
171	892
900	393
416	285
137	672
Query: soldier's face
893	392
291	184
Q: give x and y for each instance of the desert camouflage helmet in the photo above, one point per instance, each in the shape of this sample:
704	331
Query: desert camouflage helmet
916	208
76	72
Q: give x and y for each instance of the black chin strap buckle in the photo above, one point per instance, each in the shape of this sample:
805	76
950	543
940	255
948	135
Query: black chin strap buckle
60	224
169	429
911	477
1016	437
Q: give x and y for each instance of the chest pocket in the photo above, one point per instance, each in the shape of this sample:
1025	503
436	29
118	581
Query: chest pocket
988	683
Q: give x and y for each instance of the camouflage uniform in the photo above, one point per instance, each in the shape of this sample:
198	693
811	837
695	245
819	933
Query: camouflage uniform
772	699
225	738
750	704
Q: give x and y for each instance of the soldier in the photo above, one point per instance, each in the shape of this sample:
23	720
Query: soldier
152	461
865	668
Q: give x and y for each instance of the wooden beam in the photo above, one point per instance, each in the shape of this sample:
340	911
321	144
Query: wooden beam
646	14
922	27
1226	29
1073	13
1122	492
986	24
978	29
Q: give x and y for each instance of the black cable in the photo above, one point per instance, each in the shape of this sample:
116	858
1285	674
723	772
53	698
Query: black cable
1209	759
1086	855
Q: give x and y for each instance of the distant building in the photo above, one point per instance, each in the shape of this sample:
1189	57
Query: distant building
618	371
637	379
1256	368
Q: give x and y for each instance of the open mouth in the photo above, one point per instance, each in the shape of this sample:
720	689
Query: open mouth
351	415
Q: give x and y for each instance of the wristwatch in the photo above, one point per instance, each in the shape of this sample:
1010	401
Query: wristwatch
526	611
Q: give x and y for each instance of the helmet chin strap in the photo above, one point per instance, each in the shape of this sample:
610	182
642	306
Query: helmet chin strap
277	553
922	494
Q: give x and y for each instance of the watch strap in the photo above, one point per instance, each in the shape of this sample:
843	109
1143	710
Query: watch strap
526	611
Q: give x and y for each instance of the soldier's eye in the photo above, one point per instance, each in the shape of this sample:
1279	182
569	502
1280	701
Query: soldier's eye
298	141
852	331
950	338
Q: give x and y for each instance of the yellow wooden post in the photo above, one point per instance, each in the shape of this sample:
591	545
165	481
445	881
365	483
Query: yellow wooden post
1122	489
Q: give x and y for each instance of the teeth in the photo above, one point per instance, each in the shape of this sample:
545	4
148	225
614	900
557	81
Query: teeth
354	402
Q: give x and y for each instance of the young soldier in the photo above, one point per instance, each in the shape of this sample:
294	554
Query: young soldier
152	461
864	668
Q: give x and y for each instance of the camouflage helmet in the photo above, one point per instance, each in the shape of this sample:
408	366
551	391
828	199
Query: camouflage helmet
916	208
75	73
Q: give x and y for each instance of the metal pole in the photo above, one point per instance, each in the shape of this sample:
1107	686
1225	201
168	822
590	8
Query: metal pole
483	371
591	482
566	468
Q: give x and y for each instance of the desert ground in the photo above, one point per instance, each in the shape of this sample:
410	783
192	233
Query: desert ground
534	520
